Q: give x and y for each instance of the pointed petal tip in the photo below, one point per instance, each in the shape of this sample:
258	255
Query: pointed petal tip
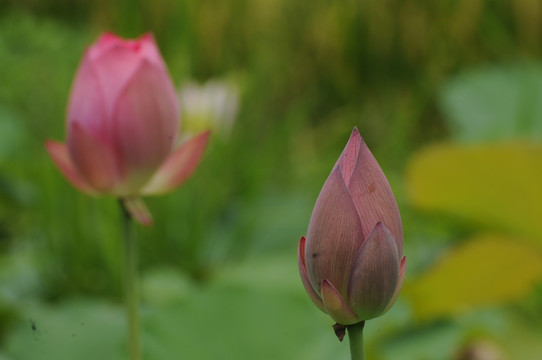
301	249
205	135
147	36
49	143
340	331
382	231
105	37
57	150
109	33
146	221
402	270
138	211
63	161
349	156
336	306
179	166
356	134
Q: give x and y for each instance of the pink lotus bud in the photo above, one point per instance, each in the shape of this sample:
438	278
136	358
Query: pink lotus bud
122	123
351	262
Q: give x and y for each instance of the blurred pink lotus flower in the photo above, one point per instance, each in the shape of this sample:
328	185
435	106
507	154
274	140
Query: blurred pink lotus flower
351	261
122	123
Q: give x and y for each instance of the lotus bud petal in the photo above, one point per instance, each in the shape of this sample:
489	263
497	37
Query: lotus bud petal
375	273
352	266
122	123
305	278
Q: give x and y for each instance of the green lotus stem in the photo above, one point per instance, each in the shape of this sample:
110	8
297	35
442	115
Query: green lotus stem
355	336
131	286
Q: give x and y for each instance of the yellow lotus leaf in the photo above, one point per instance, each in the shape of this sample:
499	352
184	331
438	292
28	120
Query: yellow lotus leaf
486	270
499	185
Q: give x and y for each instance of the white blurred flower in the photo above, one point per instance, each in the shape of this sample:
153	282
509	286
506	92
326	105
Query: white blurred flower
210	106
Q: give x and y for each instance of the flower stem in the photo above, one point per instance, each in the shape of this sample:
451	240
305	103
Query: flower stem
355	336
131	286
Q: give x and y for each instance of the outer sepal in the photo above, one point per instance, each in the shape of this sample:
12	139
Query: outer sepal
178	167
138	211
400	281
305	277
335	305
94	159
61	157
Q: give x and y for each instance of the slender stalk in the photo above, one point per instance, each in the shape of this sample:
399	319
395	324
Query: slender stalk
131	286
355	336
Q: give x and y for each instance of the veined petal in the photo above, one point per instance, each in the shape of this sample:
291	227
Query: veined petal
373	196
178	167
145	122
305	278
61	157
334	235
94	160
114	66
375	274
87	103
115	61
335	305
400	282
347	160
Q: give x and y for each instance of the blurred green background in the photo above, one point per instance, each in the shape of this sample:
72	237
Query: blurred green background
448	95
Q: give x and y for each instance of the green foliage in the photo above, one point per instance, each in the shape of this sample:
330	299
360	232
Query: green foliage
487	270
498	333
495	103
233	317
497	185
487	178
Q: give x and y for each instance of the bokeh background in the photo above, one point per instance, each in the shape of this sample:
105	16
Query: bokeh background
448	95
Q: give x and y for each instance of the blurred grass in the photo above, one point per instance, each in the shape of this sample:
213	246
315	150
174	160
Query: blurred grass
406	73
